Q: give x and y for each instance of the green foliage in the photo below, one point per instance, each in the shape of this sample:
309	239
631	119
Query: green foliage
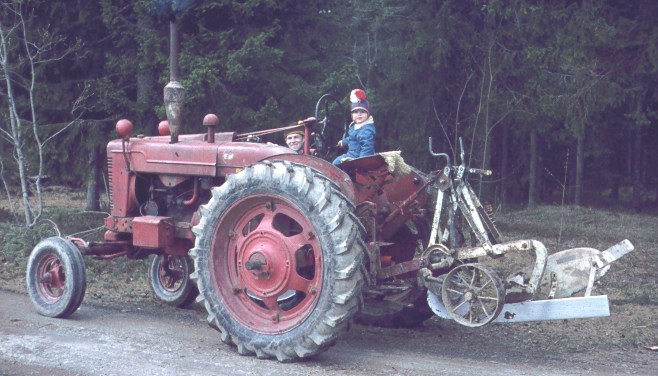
17	241
481	70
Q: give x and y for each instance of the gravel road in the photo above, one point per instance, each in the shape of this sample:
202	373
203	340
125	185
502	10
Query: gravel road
150	338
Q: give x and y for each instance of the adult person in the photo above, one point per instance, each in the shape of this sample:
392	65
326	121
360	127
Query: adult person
360	136
295	139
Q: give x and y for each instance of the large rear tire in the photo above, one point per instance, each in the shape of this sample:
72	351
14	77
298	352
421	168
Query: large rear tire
56	280
278	260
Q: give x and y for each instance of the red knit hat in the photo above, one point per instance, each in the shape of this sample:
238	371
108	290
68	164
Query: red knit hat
359	101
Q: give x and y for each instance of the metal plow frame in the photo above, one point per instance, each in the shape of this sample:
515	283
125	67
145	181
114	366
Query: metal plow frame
560	308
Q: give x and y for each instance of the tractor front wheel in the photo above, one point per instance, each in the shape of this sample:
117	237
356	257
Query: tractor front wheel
278	259
56	280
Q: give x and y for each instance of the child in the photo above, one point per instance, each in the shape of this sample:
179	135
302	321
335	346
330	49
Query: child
360	137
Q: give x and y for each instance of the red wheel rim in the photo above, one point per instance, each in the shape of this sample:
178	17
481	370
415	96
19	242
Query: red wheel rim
170	273
51	278
267	263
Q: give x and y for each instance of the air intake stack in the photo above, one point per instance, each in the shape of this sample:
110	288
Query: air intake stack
174	92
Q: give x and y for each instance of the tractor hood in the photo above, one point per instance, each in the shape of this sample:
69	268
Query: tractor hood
192	155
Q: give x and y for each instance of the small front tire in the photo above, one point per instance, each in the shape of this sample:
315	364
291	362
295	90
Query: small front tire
56	280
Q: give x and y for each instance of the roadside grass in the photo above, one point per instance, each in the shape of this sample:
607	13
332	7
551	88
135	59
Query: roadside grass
64	215
632	279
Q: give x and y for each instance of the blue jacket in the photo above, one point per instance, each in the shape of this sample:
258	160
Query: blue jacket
360	142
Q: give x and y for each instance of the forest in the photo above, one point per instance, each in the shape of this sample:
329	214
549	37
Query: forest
556	97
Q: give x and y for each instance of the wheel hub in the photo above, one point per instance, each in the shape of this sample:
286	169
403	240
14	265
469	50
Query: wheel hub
265	261
51	277
257	263
171	273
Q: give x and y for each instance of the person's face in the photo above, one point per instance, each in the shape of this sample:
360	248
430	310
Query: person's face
295	141
359	116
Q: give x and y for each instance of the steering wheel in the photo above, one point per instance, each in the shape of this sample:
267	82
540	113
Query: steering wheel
324	118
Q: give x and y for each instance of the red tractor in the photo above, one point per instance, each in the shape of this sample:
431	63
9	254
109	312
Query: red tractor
284	250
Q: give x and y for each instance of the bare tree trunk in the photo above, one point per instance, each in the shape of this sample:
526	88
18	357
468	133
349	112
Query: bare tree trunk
539	176
570	186
580	170
532	189
14	133
486	189
93	195
484	133
636	200
5	185
14	41
25	188
504	166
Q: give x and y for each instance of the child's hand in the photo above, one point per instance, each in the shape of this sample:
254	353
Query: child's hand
340	143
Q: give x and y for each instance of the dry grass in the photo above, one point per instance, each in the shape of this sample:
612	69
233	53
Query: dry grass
633	278
53	197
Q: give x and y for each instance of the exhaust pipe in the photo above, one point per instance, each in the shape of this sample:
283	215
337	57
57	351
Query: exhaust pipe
174	92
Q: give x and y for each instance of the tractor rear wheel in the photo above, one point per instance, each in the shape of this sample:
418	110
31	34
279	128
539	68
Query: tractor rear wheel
278	260
56	280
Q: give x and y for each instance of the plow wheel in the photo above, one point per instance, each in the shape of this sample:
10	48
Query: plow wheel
401	302
473	295
278	259
169	277
56	280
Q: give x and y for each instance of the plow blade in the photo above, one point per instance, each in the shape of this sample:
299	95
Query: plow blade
539	310
555	309
574	270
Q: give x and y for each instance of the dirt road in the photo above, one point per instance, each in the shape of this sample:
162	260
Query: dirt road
152	339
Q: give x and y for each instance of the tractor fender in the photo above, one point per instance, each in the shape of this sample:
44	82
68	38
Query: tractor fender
332	172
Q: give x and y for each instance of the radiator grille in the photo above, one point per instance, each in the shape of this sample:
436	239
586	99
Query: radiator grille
109	183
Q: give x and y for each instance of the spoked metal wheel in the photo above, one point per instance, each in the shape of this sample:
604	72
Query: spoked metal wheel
473	294
169	277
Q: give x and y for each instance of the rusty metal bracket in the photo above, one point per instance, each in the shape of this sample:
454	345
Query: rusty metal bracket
401	268
541	256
